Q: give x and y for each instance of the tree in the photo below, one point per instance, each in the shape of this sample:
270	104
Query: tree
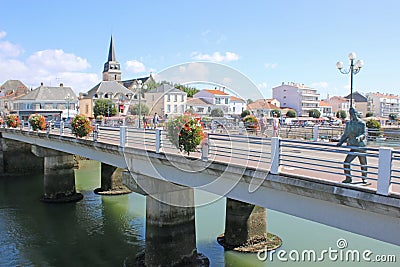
375	127
277	112
249	101
314	113
144	109
190	91
341	114
245	113
104	107
393	116
291	113
369	114
216	112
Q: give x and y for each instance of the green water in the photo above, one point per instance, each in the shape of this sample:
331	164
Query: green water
106	230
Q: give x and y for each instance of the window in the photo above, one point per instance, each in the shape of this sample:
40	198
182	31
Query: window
168	108
182	109
217	101
175	98
175	108
87	108
183	98
168	98
226	101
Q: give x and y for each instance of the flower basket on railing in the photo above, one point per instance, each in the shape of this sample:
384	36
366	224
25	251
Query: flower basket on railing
13	121
1	121
186	133
251	123
37	121
81	126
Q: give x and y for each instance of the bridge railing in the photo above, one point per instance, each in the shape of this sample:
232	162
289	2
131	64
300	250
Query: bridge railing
318	160
396	168
255	151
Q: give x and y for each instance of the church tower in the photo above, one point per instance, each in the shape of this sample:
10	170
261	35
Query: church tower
112	68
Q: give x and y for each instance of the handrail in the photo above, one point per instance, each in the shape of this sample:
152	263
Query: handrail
287	156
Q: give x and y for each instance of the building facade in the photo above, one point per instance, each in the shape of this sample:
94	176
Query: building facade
166	100
55	103
382	105
297	96
9	91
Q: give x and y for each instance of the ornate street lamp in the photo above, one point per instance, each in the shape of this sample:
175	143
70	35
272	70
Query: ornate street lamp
68	98
140	86
354	69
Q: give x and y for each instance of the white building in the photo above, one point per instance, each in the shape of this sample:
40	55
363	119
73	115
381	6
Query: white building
381	105
297	96
199	106
166	100
55	103
236	105
218	99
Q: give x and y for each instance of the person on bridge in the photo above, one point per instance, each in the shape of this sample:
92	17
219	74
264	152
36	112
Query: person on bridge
263	124
275	125
155	120
355	134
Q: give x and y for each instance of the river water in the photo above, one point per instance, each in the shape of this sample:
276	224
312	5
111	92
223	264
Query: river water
106	230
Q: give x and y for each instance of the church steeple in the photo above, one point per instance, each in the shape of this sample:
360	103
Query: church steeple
112	68
111	52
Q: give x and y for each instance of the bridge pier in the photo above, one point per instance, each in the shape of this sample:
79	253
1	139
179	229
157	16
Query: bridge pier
16	158
59	177
111	181
245	227
170	223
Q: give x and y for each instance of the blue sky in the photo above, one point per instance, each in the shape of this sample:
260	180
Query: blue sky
270	42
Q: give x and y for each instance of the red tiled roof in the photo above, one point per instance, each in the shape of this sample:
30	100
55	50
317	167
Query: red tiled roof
234	98
215	92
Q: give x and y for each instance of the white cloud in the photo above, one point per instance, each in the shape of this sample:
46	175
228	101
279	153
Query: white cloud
270	65
135	66
320	85
57	61
216	56
262	85
51	66
7	49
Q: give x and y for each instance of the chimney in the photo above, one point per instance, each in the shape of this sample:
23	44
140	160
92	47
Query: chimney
61	85
41	84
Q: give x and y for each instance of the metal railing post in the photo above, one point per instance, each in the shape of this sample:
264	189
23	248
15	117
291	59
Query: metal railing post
158	140
96	132
61	127
21	126
275	155
122	136
315	133
384	170
205	148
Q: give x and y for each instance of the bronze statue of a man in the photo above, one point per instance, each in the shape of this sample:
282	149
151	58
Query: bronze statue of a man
355	134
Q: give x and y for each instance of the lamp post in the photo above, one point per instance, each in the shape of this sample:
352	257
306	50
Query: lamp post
354	69
68	98
140	86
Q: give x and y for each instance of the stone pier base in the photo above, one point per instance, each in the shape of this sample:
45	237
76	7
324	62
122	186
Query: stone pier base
16	158
246	228
170	226
111	181
59	176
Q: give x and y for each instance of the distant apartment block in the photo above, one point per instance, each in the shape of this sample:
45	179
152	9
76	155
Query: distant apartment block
382	105
338	103
297	96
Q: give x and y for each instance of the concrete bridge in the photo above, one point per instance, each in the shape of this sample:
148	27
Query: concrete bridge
294	177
